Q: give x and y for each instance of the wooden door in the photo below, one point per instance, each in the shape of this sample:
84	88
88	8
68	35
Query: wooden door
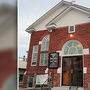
72	71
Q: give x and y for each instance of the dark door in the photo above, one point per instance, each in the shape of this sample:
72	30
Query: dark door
72	71
30	81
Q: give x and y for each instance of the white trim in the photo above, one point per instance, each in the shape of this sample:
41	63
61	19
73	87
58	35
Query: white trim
66	10
61	73
45	43
60	53
72	55
30	30
32	55
46	14
59	70
83	66
40	42
80	9
44	59
46	71
59	15
69	47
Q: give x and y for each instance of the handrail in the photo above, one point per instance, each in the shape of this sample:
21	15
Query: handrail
48	79
44	83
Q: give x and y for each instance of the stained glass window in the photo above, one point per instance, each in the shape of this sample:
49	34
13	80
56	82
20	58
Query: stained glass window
72	47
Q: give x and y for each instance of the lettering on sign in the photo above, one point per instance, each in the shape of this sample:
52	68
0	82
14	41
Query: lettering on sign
40	79
53	61
86	51
85	70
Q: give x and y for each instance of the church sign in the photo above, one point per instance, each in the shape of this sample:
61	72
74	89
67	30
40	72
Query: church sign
41	79
53	61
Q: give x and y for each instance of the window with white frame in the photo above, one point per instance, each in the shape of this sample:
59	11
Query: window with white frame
72	47
45	43
71	29
34	55
43	59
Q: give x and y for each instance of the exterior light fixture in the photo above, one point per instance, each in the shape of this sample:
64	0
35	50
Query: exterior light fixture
71	35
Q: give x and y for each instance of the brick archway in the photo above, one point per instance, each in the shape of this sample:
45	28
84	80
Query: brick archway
76	37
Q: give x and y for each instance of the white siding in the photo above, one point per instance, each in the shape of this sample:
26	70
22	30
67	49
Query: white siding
42	24
72	17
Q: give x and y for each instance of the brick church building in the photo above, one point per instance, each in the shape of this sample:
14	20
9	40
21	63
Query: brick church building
60	45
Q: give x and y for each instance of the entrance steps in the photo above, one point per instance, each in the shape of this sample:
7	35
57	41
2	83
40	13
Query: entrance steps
67	88
45	88
54	88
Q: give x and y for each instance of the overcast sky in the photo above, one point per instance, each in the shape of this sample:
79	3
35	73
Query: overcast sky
29	11
10	2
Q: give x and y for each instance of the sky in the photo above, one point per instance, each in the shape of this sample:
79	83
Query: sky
28	12
10	2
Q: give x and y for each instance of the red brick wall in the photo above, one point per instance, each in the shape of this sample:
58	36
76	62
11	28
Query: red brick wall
57	39
7	65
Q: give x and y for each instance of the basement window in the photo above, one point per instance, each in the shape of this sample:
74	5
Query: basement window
71	29
34	55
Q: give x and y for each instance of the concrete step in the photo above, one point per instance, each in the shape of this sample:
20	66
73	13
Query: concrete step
67	88
54	88
44	88
75	88
80	88
60	88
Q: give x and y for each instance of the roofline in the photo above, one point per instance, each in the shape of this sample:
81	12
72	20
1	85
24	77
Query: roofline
82	7
57	16
58	5
61	13
79	7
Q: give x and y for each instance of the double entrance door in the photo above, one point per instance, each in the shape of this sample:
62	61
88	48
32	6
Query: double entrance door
72	71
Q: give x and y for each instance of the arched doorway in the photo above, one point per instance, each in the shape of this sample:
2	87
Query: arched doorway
72	63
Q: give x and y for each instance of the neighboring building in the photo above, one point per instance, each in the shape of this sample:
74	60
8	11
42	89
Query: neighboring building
8	47
65	29
22	71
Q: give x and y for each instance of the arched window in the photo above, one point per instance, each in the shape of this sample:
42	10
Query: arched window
72	47
45	43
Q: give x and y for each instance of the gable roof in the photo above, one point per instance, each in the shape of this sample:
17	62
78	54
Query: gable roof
67	9
30	29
